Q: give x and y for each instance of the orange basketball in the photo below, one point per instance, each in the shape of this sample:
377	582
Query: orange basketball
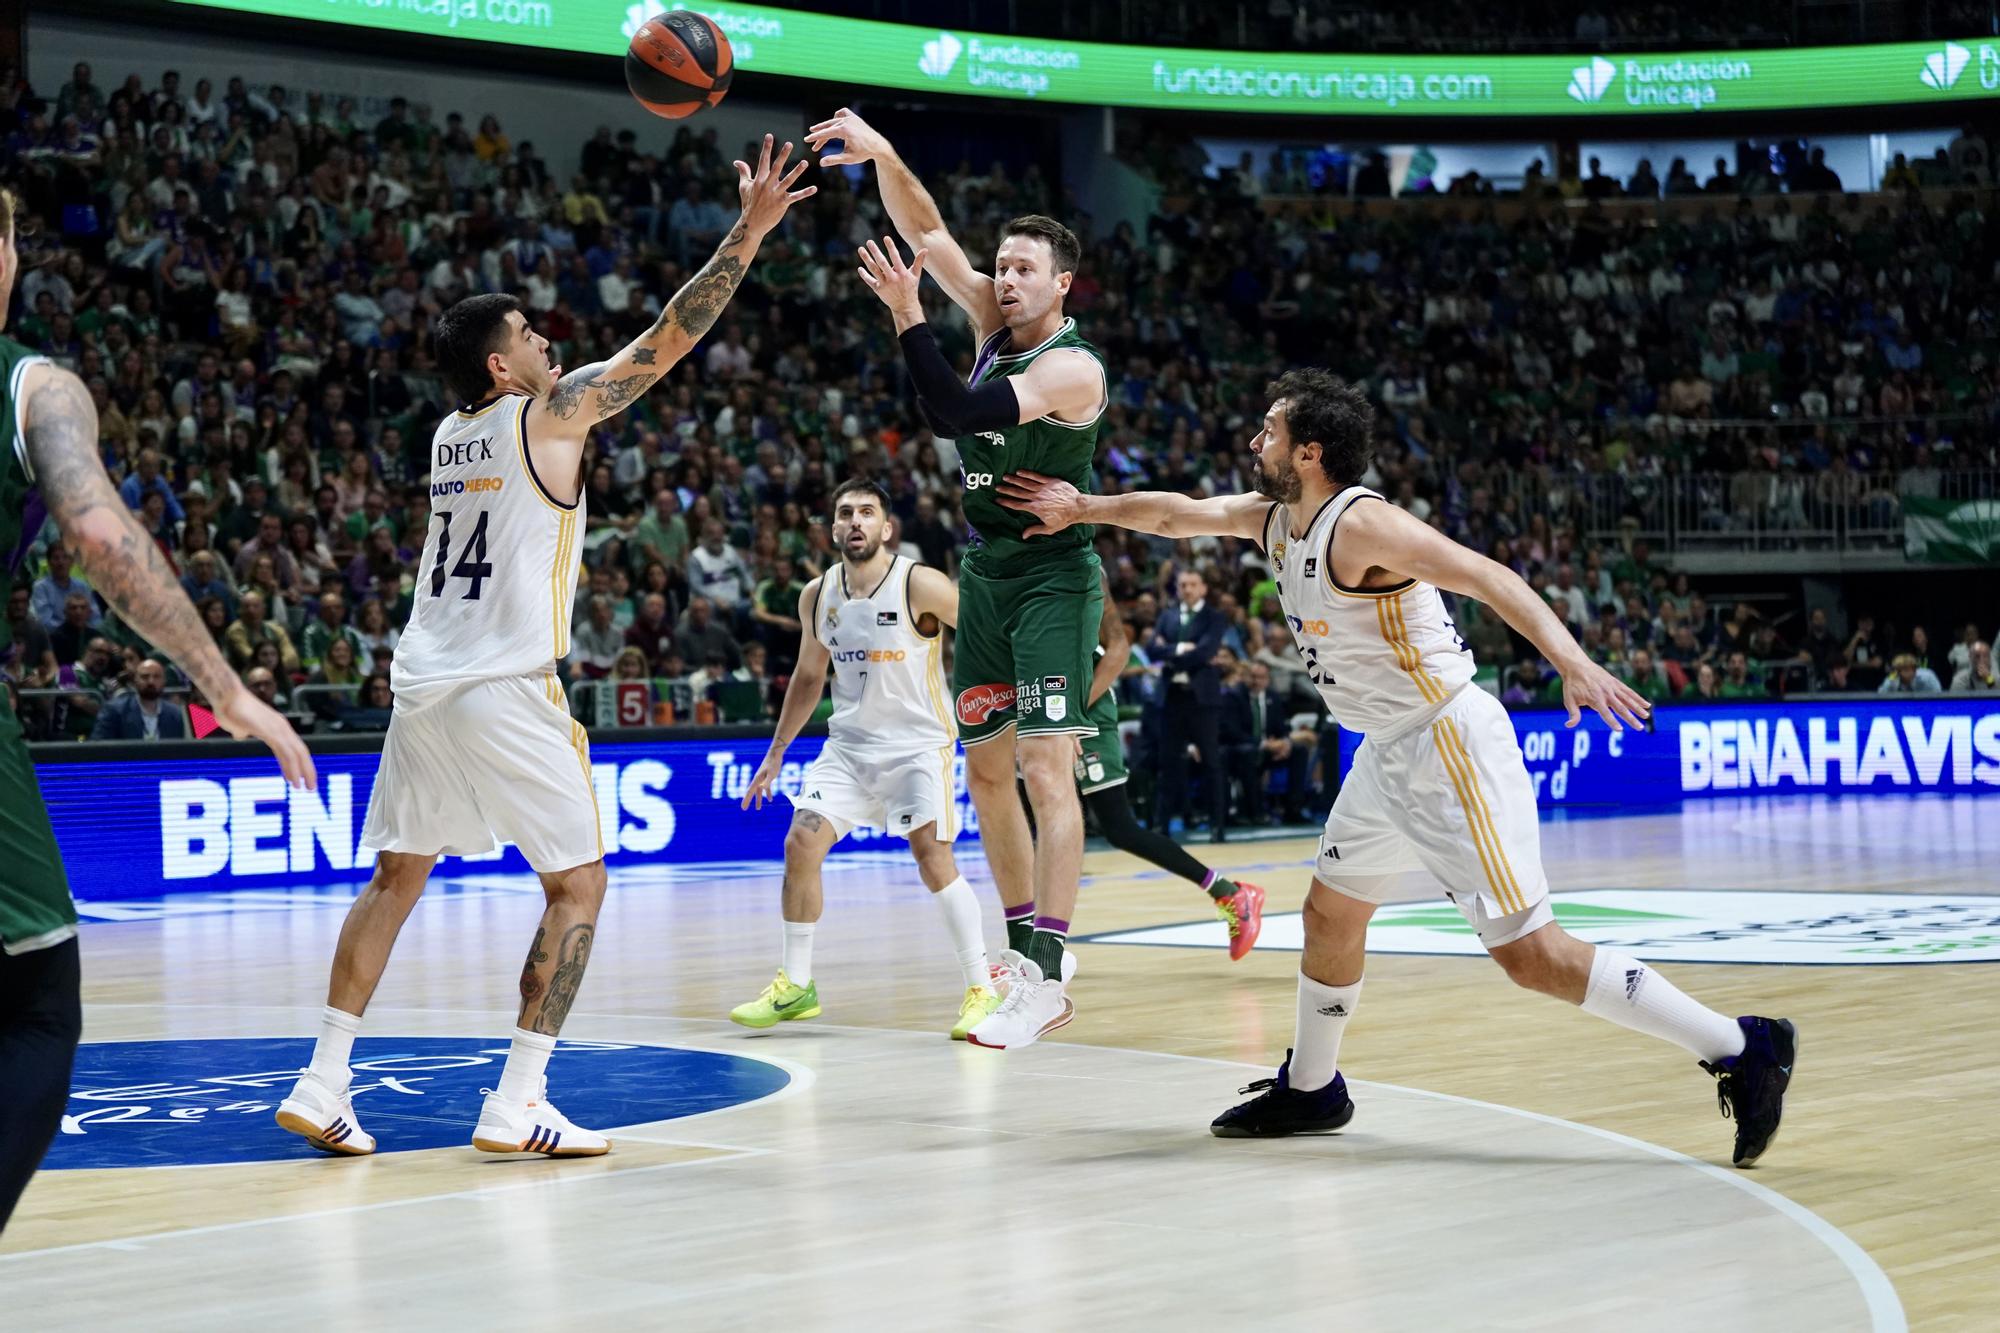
678	63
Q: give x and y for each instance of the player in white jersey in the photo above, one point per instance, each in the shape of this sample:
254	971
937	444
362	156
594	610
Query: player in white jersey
877	619
1439	782
481	748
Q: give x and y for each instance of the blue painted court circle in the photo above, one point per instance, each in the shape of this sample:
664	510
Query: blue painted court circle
208	1102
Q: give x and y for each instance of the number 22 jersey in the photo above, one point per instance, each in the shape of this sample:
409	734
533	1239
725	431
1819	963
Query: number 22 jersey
498	573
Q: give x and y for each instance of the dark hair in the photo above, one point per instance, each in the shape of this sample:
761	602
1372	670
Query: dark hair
881	496
465	336
1322	408
1068	251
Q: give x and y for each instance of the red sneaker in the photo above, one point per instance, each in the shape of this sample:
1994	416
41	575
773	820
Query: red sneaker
1244	913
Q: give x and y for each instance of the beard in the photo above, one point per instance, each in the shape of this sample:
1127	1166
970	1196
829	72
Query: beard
869	546
1284	487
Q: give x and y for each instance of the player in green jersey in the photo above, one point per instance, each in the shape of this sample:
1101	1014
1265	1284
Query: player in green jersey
1028	607
49	467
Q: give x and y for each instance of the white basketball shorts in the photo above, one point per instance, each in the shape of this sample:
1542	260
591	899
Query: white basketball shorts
899	792
493	761
1454	798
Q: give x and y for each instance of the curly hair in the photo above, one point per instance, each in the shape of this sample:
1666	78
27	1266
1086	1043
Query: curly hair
1323	409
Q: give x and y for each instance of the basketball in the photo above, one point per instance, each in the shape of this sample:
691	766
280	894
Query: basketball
678	63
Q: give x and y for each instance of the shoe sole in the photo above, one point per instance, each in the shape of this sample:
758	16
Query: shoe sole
1060	1020
293	1122
1744	1163
781	1018
1240	947
1331	1127
522	1149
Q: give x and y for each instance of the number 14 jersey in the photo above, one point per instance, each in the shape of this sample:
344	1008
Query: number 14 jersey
499	567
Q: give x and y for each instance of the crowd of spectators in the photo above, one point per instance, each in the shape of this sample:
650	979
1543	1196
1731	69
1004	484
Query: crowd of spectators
245	281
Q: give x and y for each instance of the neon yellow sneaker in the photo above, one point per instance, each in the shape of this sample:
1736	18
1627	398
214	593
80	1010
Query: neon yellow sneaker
979	1001
781	1002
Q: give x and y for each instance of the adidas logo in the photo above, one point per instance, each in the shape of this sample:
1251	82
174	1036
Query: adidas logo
1635	977
1335	1010
1942	68
940	54
1587	83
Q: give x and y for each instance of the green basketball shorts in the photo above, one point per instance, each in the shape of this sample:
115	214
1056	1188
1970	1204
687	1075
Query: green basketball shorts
1102	763
1025	648
35	907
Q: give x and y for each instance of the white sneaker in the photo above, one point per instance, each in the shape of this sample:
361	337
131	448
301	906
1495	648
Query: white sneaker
323	1116
1033	1008
1005	973
533	1126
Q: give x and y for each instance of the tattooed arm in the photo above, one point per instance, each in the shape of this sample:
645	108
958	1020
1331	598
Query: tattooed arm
59	425
591	393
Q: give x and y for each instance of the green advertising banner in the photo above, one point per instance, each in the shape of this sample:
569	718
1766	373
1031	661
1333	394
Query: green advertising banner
896	55
1958	532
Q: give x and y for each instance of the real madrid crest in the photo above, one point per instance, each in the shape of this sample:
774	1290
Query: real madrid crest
1278	557
833	617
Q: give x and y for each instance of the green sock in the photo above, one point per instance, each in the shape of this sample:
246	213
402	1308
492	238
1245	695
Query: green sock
1045	951
1220	888
1021	929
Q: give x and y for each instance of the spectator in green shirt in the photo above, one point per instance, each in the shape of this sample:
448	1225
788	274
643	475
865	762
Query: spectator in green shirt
662	535
1643	674
321	631
774	606
373	514
1738	681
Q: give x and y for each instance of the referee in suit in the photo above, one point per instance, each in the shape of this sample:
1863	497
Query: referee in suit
1185	640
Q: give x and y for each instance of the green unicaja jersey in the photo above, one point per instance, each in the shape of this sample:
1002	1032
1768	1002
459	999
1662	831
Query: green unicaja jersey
1053	448
16	489
35	908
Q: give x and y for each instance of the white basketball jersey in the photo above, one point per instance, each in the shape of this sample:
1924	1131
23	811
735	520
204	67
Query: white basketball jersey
499	567
888	679
1383	658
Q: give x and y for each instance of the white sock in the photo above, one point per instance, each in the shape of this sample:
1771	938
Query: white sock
799	951
527	1061
961	918
335	1047
1323	1015
1632	995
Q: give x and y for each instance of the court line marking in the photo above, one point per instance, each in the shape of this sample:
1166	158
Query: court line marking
1885	1307
218	1228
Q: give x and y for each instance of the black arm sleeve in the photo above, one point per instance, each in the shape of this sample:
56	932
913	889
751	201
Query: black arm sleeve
985	408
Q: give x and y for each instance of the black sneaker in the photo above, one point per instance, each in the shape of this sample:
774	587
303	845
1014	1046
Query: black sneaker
1751	1087
1280	1109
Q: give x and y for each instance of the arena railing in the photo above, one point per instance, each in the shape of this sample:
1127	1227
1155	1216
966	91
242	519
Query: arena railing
1741	511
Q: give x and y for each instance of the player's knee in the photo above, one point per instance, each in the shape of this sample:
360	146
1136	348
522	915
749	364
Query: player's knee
986	780
581	887
1532	963
935	861
1047	778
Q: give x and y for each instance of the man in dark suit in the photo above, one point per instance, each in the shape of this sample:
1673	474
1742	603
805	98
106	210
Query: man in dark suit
1184	644
1257	739
143	713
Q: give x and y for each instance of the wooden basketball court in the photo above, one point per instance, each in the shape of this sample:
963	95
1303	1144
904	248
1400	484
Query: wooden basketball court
1512	1163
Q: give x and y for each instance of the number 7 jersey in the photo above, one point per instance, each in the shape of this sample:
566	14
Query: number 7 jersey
498	573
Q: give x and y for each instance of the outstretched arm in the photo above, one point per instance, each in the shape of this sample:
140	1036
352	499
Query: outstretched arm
1060	505
1067	384
124	564
914	213
1382	536
591	393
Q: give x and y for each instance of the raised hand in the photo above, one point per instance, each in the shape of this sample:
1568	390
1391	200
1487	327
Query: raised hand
859	141
767	192
1591	686
898	284
1052	500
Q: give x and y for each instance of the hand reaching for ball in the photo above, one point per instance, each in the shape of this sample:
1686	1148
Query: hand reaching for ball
767	192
